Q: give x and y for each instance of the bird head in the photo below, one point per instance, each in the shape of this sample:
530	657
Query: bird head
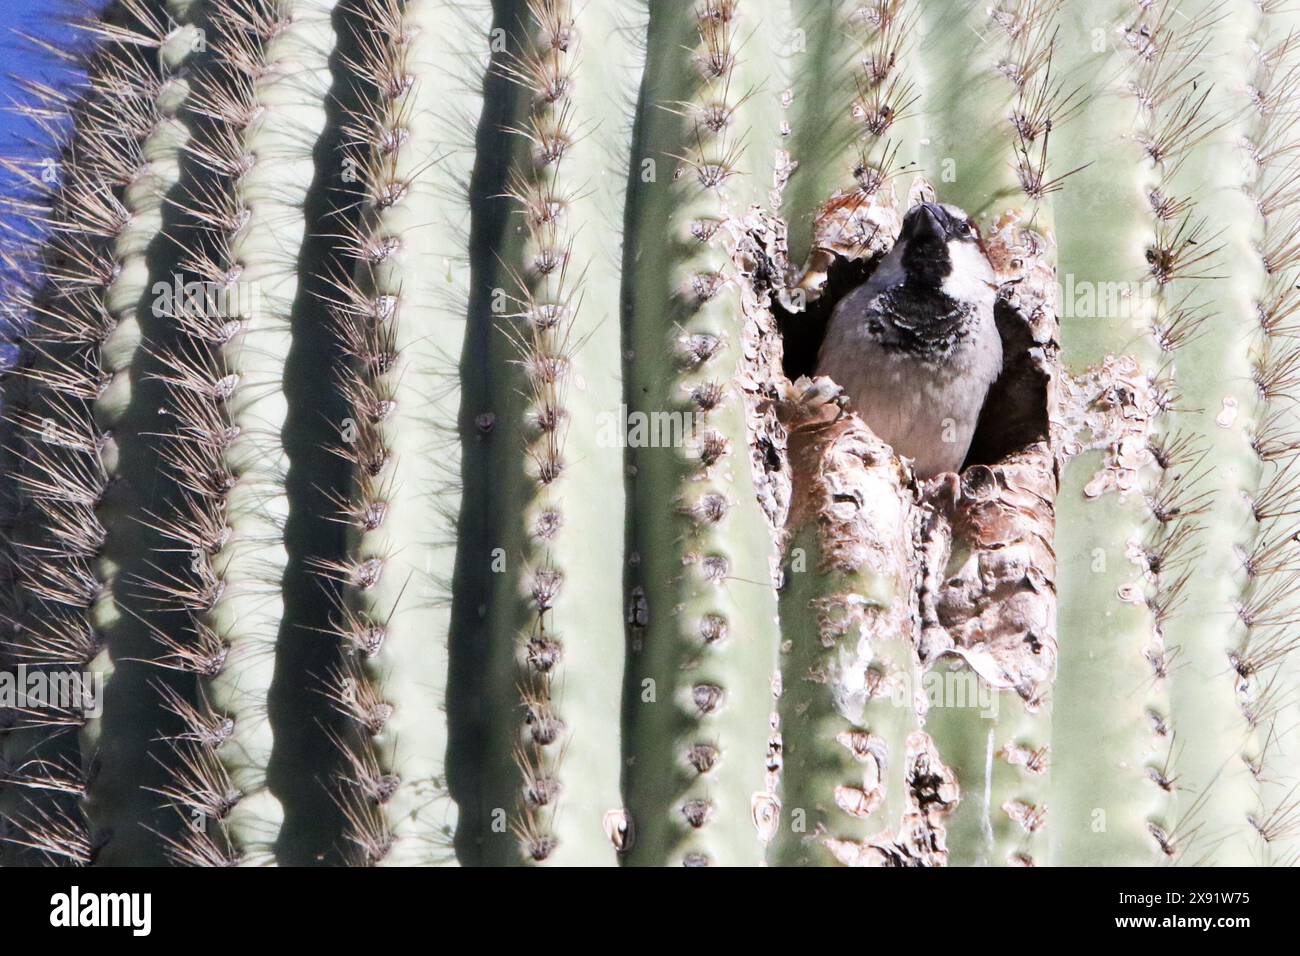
934	236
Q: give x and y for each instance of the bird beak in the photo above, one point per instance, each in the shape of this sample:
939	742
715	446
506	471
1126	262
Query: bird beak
924	223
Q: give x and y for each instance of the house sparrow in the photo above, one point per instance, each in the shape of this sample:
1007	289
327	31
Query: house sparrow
916	347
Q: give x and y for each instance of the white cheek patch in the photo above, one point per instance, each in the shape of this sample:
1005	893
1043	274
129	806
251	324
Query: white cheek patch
971	279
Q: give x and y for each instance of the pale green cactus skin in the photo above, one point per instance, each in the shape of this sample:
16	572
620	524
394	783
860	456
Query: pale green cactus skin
850	677
698	696
371	571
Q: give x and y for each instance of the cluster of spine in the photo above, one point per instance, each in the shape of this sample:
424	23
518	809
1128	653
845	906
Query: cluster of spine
1263	666
1041	102
544	333
551	787
701	608
1181	128
886	95
1178	788
397	304
1105	804
224	374
1016	750
201	385
853	104
366	308
62	403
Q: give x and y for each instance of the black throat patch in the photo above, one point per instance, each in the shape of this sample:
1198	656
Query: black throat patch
920	319
926	261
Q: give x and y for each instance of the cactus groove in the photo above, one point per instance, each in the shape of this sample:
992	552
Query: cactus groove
414	453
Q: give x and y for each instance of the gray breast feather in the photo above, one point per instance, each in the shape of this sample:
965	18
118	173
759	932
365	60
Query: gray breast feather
926	407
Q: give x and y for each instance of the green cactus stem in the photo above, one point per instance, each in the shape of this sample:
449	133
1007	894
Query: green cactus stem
417	428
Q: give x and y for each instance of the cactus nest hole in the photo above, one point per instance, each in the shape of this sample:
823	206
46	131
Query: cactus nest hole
977	550
1015	414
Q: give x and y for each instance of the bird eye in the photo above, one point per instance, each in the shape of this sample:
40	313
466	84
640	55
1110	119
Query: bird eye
964	229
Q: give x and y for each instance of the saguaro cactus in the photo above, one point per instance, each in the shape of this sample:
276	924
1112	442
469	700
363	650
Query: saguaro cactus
416	453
